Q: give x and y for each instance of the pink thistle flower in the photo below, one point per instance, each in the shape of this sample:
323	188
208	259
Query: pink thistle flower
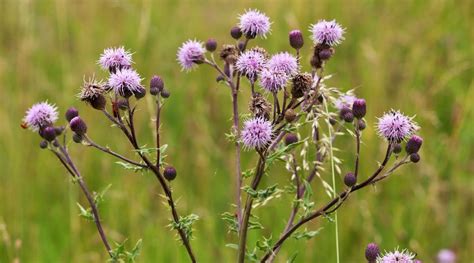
396	256
327	32
254	23
344	101
396	127
190	53
125	82
256	133
40	115
285	62
115	58
273	80
250	63
446	256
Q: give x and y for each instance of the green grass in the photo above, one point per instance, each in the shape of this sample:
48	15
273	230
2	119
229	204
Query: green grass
413	55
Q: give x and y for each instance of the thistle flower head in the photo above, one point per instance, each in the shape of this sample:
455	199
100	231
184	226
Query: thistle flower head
285	62
254	23
250	63
396	256
190	53
346	100
40	115
91	89
256	133
125	82
115	58
327	32
446	256
273	80
396	127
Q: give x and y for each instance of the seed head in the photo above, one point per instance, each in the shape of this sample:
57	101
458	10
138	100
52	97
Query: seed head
229	54
259	106
301	84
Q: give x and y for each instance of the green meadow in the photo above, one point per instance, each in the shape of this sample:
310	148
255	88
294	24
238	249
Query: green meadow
416	56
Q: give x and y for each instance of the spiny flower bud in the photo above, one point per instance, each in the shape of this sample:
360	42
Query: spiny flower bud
296	39
361	124
165	94
48	133
156	85
235	32
290	115
140	93
43	144
291	138
359	108
78	125
414	144
71	113
415	157
372	252
77	138
350	179
169	173
397	148
346	114
211	45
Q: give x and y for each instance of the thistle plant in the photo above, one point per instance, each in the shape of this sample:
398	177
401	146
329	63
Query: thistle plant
294	117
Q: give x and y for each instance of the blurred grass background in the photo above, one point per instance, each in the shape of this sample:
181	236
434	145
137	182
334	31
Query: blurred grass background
413	55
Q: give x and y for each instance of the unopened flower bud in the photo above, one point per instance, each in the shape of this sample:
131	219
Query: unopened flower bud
48	133
56	143
290	115
296	39
325	54
291	138
77	138
219	78
140	93
165	94
372	252
59	130
71	113
346	114
332	121
397	148
359	108
414	144
361	124
415	157
169	173
241	45
122	104
211	45
156	85
350	179
78	125
43	144
235	32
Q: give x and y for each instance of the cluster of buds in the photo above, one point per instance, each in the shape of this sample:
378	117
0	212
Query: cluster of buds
77	125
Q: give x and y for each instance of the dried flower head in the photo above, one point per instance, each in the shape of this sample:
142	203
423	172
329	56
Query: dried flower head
40	115
327	32
259	106
115	58
190	53
125	82
250	64
229	54
254	23
92	92
346	100
301	84
396	256
396	127
256	133
273	80
262	51
285	62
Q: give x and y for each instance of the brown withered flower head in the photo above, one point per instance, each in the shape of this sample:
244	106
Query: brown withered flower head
301	84
259	106
229	54
92	92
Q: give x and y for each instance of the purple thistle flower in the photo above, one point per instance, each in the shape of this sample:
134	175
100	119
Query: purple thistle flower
346	100
125	82
396	127
256	133
327	32
250	63
115	58
254	23
446	256
40	115
396	256
273	80
285	62
190	53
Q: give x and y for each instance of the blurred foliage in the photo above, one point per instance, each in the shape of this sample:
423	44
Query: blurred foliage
413	55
